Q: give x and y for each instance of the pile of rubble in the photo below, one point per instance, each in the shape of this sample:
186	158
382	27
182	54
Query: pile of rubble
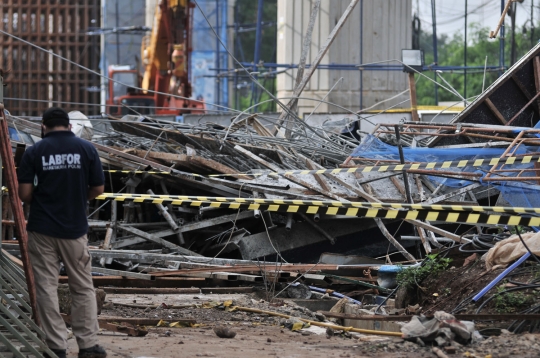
261	202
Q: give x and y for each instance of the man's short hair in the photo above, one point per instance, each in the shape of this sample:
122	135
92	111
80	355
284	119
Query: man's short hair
54	117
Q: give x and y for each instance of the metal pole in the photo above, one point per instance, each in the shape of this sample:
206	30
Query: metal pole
237	48
361	54
258	41
117	34
465	56
103	70
532	23
513	45
501	43
435	54
402	161
18	214
218	60
258	36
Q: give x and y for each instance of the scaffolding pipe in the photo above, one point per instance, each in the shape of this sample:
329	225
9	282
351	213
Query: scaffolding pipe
16	207
435	54
361	54
257	54
501	40
288	225
465	55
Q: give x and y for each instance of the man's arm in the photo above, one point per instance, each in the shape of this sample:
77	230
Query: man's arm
25	192
94	191
96	177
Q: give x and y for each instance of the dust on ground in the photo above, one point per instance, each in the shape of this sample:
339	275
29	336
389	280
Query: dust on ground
262	335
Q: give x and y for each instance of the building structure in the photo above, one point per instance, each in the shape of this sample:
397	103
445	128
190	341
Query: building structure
38	37
376	31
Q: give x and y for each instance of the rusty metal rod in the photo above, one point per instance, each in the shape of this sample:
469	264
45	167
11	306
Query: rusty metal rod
465	132
16	207
402	161
494	128
444	172
523	109
511	179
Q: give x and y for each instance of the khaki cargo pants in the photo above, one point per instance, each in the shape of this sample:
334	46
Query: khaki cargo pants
45	255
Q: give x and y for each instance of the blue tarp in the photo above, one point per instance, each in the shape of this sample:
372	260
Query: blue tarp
516	193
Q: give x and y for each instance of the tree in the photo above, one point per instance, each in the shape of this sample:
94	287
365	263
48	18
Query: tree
245	42
450	53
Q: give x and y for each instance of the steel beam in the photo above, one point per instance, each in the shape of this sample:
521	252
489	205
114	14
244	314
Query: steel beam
157	240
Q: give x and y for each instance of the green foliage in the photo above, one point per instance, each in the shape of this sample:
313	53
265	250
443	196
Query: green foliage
508	302
433	266
246	16
251	98
244	46
515	229
451	53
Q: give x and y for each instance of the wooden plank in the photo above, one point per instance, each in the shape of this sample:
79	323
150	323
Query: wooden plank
226	276
521	87
187	160
217	167
268	269
120	281
144	321
13	259
526	92
141	276
176	291
495	111
412	96
123	327
536	68
318	177
437	230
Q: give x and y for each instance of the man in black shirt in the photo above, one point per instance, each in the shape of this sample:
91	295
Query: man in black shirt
57	176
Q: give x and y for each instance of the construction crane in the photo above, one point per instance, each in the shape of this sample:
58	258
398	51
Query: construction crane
165	84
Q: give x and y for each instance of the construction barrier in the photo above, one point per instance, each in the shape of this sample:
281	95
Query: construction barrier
383	213
136	171
324	203
527	159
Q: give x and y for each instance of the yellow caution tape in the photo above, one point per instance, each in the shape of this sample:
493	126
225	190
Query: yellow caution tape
378	168
453	216
179	324
197	200
136	171
414	166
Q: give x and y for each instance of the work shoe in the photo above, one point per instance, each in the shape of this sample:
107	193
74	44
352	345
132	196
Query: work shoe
61	353
96	351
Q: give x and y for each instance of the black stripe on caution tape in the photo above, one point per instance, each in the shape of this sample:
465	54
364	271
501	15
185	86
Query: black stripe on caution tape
400	167
374	168
444	216
324	203
136	171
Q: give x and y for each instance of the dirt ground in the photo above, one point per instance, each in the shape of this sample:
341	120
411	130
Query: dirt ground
453	290
262	335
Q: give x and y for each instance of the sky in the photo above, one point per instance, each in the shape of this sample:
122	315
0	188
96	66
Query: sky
450	14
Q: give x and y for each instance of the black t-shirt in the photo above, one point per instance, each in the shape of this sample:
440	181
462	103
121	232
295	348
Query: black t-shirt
62	167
